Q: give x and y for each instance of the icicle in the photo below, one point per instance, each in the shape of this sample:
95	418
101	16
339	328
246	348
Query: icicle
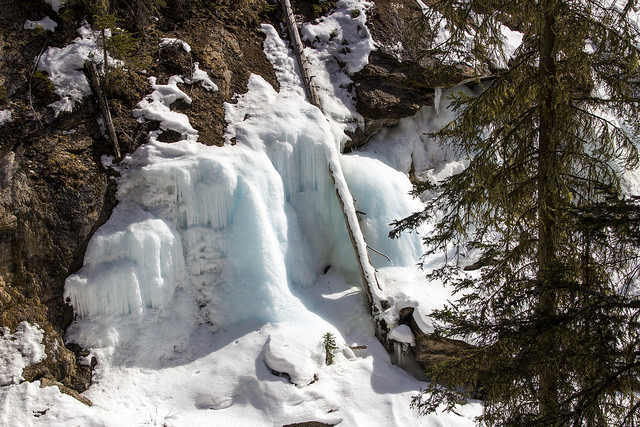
436	100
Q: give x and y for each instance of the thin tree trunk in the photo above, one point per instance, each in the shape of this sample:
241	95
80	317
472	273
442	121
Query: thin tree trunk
547	198
105	58
298	49
104	108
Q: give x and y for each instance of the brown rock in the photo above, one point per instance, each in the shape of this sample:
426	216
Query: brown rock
399	79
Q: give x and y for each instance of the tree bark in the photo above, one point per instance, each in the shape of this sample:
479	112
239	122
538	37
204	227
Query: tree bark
298	49
547	200
105	58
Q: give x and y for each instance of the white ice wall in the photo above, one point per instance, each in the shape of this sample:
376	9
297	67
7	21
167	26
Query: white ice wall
132	264
382	195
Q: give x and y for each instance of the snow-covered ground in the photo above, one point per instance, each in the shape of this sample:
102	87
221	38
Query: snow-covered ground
222	264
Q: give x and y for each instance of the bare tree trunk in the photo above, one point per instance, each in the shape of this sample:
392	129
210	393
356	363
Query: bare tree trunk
105	58
298	49
104	108
547	200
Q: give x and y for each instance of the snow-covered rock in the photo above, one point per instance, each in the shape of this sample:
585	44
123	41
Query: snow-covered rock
45	23
295	353
5	117
18	350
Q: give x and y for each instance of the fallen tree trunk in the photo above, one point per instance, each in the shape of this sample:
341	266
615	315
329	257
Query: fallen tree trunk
367	272
298	49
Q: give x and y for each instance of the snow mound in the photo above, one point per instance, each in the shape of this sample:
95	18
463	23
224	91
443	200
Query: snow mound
64	67
201	76
18	350
295	352
166	41
402	334
56	5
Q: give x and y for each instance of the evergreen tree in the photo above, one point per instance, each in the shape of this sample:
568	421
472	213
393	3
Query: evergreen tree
555	311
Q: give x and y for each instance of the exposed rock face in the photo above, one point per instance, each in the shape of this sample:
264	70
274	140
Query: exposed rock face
53	195
399	78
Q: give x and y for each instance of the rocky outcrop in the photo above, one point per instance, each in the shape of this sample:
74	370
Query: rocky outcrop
388	90
399	79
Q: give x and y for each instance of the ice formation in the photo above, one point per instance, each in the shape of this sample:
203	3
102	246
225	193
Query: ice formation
222	264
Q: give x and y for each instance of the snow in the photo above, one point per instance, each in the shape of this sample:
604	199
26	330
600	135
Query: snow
166	41
221	264
340	46
5	117
402	334
45	23
201	76
157	106
512	40
56	5
283	61
64	67
295	352
18	350
343	34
